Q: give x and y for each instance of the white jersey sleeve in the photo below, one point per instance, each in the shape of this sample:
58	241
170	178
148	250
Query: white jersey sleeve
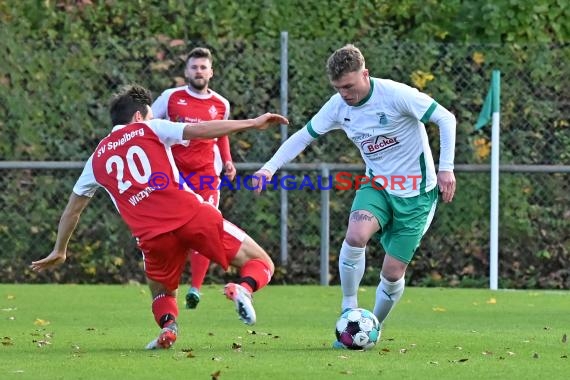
168	132
86	184
160	106
414	103
446	122
327	119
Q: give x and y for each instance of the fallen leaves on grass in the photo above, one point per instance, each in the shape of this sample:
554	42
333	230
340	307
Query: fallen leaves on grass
41	343
189	353
41	322
7	341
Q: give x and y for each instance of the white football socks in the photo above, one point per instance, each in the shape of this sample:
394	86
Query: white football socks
387	295
351	263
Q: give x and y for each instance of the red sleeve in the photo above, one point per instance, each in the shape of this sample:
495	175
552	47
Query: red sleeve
224	146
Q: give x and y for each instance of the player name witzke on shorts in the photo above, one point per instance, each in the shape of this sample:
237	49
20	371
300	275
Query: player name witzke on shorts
340	181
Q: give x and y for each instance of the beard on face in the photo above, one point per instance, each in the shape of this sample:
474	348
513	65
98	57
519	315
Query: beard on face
198	84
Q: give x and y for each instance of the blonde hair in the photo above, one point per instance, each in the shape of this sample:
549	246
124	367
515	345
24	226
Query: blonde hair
345	60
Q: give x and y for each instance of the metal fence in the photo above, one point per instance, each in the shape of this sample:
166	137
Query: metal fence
535	142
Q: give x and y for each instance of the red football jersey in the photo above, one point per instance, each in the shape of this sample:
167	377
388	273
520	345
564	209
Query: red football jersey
134	164
183	105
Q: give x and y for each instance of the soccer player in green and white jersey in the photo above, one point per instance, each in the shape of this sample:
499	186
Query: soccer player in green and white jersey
385	120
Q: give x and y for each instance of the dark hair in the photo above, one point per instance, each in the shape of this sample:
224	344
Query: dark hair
200	52
125	103
347	59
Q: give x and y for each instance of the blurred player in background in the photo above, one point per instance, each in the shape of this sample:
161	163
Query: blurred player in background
134	165
202	160
385	120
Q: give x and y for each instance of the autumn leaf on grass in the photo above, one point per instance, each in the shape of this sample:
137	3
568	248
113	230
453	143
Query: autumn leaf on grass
41	322
41	343
189	353
7	341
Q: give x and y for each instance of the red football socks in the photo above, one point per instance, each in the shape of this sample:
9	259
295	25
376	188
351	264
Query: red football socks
162	306
198	268
256	270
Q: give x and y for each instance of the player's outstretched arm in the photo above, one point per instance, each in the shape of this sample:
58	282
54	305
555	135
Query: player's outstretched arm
290	149
217	128
67	223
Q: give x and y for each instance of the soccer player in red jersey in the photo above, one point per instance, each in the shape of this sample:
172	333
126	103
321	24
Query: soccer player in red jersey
200	161
134	164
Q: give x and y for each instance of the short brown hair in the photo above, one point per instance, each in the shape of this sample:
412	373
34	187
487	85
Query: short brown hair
125	103
200	52
345	60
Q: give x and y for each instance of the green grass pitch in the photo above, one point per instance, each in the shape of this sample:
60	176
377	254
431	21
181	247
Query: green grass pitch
99	332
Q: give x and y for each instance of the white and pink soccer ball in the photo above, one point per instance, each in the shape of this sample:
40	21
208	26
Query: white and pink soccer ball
358	329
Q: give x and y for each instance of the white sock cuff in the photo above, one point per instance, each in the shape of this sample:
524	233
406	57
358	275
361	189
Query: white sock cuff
350	252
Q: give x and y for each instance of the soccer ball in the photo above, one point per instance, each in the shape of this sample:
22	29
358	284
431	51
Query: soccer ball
358	329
